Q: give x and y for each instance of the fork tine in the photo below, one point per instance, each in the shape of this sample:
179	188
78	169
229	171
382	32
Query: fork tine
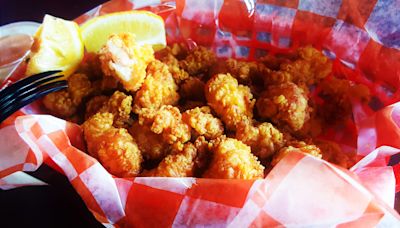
34	90
26	88
27	81
30	97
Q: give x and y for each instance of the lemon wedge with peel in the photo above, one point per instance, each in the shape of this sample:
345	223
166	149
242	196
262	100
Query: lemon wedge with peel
147	27
57	46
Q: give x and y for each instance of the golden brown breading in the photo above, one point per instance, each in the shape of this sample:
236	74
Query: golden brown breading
125	60
240	70
264	139
158	89
177	164
166	121
198	61
310	67
232	159
231	101
203	157
192	89
298	146
203	123
178	73
79	87
120	105
284	104
94	105
152	145
60	104
113	147
337	94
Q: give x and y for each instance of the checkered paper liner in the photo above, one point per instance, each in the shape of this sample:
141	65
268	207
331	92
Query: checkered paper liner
362	38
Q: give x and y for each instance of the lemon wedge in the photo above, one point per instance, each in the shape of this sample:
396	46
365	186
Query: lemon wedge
147	27
57	46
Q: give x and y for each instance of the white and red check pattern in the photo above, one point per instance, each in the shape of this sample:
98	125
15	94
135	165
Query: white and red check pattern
300	190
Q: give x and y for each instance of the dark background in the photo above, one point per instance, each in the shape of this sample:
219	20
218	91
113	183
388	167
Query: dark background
56	205
34	10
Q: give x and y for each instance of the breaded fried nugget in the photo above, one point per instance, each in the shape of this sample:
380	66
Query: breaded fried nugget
264	139
192	89
203	122
240	70
231	101
120	105
198	61
122	58
166	121
167	56
310	67
177	164
298	146
152	145
246	72
337	94
158	89
113	147
232	159
284	104
79	87
60	104
203	157
94	105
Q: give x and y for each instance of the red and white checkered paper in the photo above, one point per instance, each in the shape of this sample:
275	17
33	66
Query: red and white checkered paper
362	37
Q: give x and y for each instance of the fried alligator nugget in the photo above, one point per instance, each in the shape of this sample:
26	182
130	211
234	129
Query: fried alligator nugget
246	72
79	87
337	95
152	145
158	89
310	67
167	56
120	105
264	139
166	121
177	164
113	147
60	104
284	104
231	101
232	159
94	105
203	123
198	61
122	58
298	146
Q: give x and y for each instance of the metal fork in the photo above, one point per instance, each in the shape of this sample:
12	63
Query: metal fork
27	90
